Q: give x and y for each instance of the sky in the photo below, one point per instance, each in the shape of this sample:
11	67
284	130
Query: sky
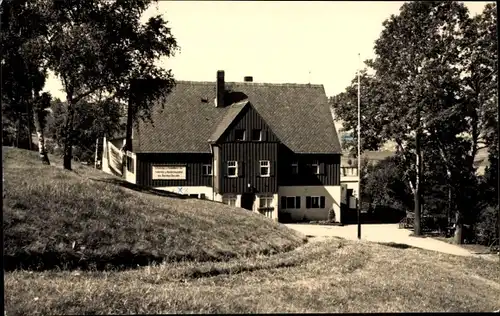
315	42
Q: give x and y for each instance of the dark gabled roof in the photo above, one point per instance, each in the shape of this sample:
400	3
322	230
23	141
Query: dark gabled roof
298	114
223	125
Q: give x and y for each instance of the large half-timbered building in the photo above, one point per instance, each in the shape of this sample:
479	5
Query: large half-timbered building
270	148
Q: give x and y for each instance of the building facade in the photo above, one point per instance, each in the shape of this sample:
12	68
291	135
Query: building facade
268	148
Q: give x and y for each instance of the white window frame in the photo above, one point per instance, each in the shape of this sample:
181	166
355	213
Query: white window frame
349	171
229	200
315	168
244	135
296	166
260	134
268	201
265	164
203	169
232	164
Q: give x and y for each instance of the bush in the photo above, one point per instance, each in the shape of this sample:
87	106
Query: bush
486	228
331	216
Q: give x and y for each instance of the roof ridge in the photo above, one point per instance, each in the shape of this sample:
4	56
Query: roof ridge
253	83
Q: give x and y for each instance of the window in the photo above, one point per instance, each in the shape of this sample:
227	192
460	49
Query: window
288	202
232	168
193	195
295	168
349	171
240	134
346	137
207	170
202	196
265	168
257	134
229	200
315	168
315	202
265	201
130	164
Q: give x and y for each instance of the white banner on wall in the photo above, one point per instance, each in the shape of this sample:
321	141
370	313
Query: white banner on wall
169	172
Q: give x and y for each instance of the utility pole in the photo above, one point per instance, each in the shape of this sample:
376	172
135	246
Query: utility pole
359	148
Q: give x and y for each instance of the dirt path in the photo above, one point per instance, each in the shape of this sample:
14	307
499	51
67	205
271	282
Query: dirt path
383	233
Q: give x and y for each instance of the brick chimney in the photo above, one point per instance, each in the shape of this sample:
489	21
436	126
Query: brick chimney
219	88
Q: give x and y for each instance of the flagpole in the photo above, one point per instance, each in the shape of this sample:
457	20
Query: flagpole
359	148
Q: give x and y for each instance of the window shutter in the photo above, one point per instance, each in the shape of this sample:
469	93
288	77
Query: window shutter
224	169
283	202
272	167
321	168
297	202
240	169
321	202
308	202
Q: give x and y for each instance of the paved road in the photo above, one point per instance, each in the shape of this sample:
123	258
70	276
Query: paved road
381	233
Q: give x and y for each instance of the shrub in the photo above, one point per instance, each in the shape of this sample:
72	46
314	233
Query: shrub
331	216
486	227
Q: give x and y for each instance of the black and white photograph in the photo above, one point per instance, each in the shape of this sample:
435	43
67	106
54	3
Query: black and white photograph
255	157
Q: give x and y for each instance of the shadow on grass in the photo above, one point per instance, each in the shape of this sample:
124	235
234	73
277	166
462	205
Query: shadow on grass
143	189
198	273
396	245
127	260
50	260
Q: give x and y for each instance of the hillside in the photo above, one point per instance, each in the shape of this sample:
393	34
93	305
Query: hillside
333	276
87	219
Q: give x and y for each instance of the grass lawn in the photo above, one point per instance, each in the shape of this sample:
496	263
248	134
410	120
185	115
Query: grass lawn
54	217
328	276
218	259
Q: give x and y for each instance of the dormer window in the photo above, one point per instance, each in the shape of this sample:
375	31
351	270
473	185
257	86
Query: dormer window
256	135
315	168
240	135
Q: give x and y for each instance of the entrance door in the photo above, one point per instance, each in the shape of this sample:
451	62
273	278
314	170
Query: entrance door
247	200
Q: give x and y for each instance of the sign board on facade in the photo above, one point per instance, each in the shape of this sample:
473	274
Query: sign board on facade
169	172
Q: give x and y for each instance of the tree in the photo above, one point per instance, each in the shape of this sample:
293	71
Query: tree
23	69
40	108
417	79
345	106
92	121
384	185
98	47
482	86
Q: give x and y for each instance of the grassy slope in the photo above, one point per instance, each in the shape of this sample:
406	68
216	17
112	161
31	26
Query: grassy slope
328	276
64	218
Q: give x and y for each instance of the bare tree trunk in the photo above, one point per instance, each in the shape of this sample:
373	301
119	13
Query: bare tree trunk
418	167
459	226
28	119
96	152
449	212
498	224
68	141
37	119
18	131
